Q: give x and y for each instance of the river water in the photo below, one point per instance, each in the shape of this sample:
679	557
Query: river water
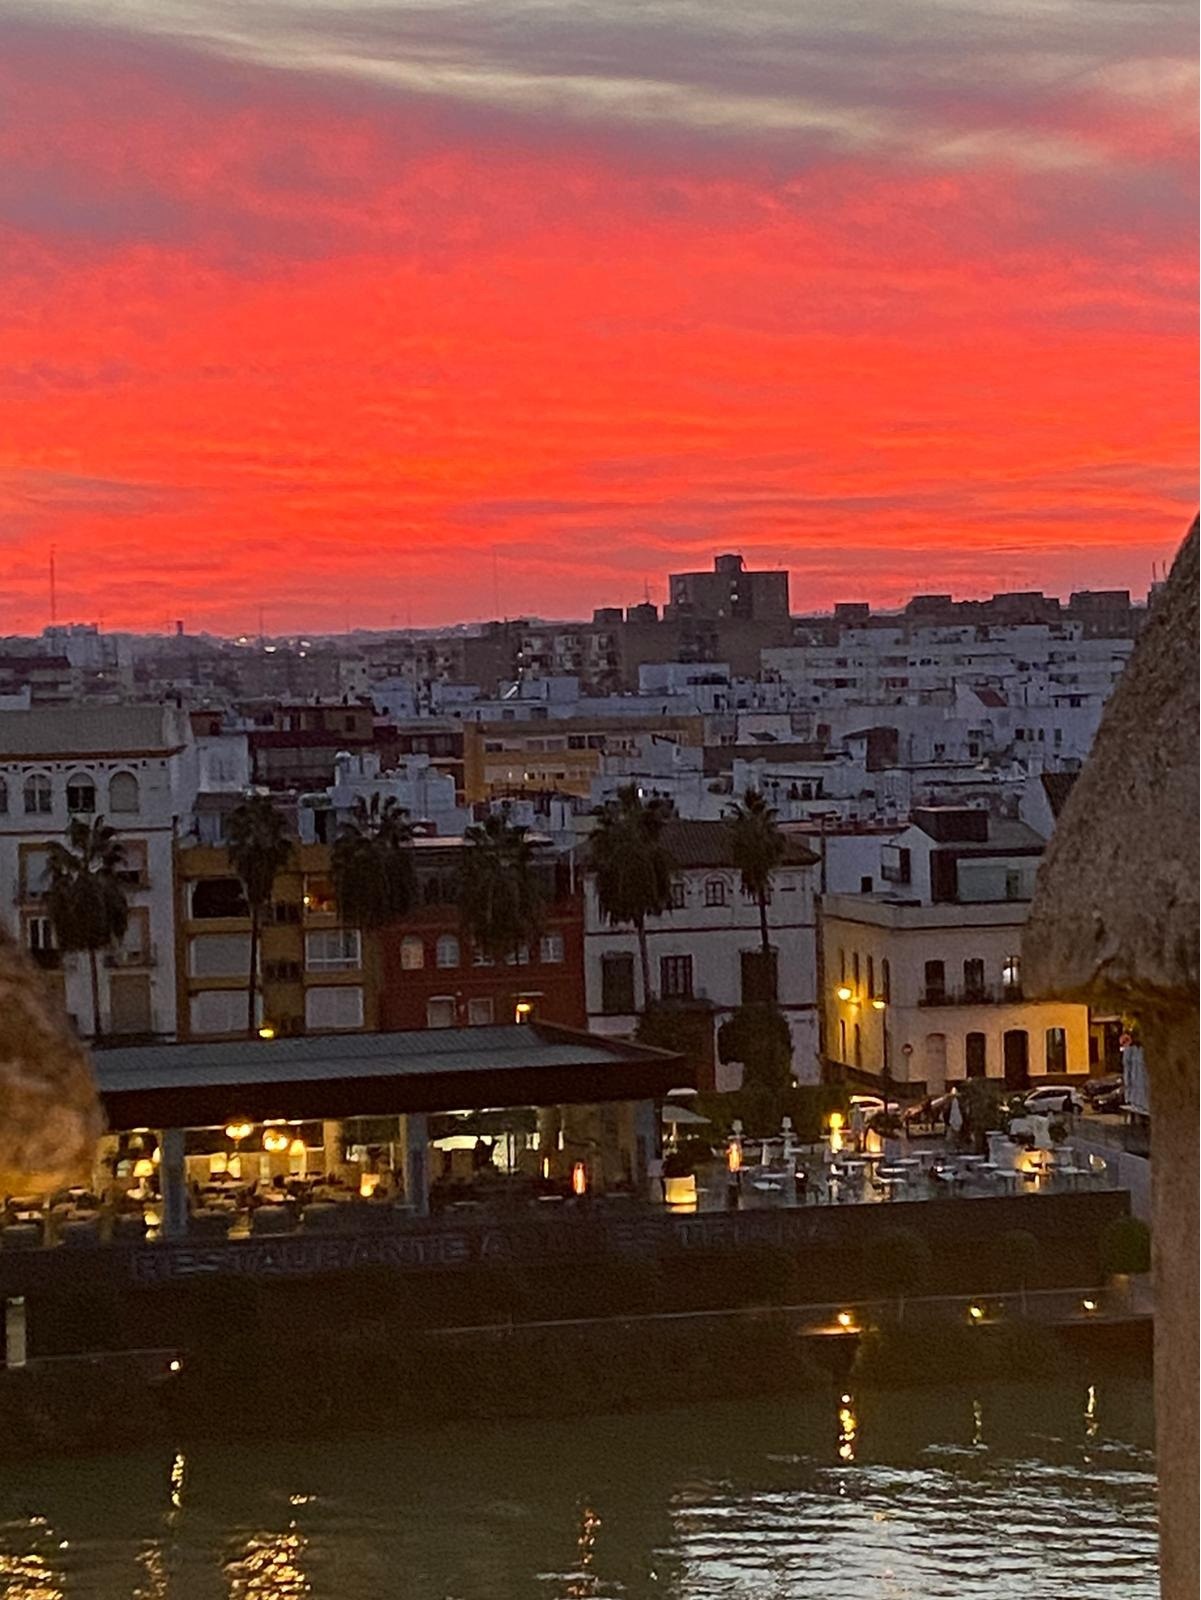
998	1492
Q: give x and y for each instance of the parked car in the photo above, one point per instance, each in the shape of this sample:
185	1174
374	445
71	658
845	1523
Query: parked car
1100	1088
1047	1100
1110	1102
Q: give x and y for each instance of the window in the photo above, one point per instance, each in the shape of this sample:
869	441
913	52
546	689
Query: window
1057	1050
865	885
332	950
218	897
715	892
617	985
675	977
412	953
479	1012
333	1008
885	981
123	793
871	978
81	794
936	982
480	958
679	894
219	955
1011	973
222	1011
858	1046
446	952
34	876
975	1055
3	798
440	1012
842	966
973	979
747	895
519	957
842	1040
758	977
39	797
41	943
855	971
319	897
551	950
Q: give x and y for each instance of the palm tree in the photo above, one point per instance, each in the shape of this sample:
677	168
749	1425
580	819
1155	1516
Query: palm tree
372	865
632	868
501	902
259	850
85	901
758	848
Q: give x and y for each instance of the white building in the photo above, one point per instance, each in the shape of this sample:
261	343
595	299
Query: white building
136	767
699	949
922	976
421	790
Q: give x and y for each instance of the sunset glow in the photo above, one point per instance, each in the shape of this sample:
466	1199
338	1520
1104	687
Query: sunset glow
410	313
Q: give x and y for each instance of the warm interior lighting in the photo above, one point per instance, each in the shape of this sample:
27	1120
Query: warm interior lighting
143	1168
523	1011
156	1155
1089	1305
235	1166
218	1164
237	1131
878	1005
368	1184
275	1141
845	1319
843	992
546	1166
266	1031
976	1313
734	1155
579	1178
836	1121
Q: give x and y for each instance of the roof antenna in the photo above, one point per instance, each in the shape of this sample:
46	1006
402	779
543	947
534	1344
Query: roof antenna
53	590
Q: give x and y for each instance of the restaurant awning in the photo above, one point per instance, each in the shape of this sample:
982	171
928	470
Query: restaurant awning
377	1074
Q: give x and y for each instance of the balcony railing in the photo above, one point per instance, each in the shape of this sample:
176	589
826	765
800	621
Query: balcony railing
145	957
988	994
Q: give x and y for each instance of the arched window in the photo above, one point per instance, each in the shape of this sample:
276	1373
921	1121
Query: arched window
39	797
81	794
412	953
715	892
123	792
447	950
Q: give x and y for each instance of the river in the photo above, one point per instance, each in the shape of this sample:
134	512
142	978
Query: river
1000	1492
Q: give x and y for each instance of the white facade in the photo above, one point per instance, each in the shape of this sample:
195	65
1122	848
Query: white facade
135	766
895	1019
696	952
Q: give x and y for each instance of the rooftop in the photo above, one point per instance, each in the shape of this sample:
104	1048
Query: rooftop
709	844
56	731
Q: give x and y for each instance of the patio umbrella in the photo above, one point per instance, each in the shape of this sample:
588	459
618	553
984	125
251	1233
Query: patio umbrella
681	1116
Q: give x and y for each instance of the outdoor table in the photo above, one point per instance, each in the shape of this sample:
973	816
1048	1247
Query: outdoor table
1007	1176
970	1161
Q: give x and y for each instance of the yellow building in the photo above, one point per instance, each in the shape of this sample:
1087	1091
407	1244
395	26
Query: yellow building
312	975
534	755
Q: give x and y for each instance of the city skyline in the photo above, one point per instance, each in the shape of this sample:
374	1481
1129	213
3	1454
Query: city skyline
393	314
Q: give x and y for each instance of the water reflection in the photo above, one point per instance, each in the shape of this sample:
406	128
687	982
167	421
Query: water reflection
698	1502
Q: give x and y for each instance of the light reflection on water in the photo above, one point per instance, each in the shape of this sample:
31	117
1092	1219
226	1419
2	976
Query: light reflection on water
991	1492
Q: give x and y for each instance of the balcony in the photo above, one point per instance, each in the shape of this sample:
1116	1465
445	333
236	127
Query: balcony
998	994
121	958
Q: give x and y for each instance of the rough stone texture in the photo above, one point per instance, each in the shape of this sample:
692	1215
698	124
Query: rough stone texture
1115	918
1115	924
50	1115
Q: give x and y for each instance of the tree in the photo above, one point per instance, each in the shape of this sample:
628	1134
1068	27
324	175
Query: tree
758	1035
905	1262
632	867
372	865
1019	1255
1125	1247
256	834
501	903
85	902
758	847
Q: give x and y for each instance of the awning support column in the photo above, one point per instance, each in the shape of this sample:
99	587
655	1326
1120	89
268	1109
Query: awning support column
173	1184
415	1148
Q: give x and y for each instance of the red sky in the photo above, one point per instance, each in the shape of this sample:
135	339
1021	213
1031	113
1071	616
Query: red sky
322	313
